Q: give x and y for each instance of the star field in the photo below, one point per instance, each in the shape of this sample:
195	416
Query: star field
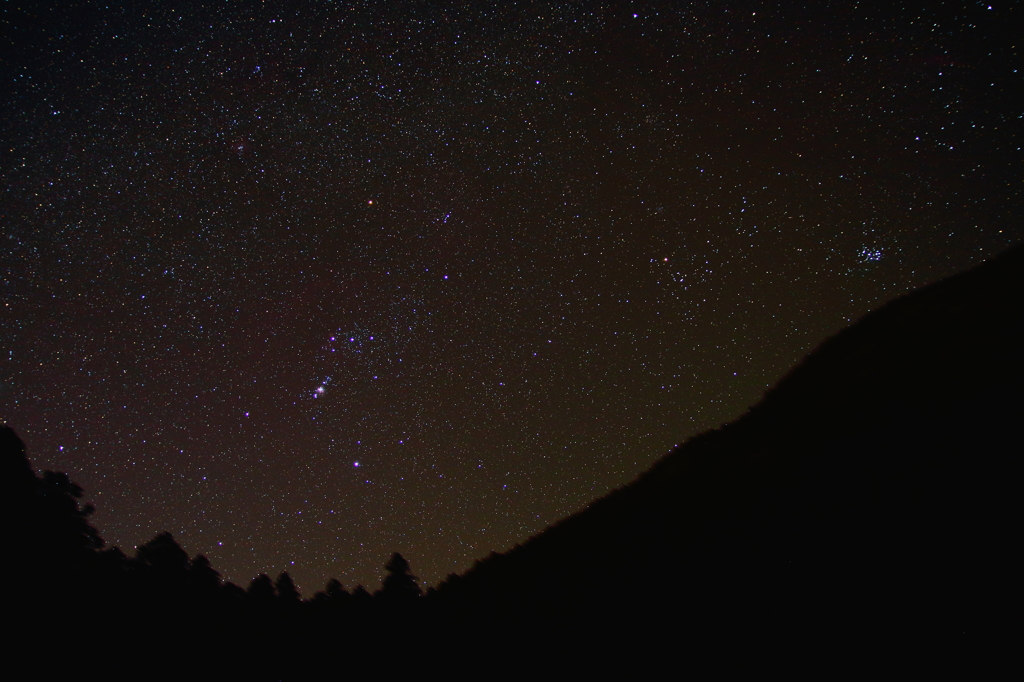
309	283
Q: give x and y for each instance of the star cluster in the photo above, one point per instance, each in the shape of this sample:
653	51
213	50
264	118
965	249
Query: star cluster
309	283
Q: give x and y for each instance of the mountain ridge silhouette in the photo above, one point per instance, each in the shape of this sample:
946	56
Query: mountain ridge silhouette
870	490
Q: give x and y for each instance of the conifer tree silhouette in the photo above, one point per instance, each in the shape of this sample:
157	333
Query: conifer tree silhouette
333	595
335	590
286	590
163	555
261	590
400	583
203	580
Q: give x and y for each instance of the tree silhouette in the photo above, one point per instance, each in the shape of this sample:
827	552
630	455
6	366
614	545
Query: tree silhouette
261	590
48	528
360	596
286	590
333	596
203	580
163	555
46	509
232	594
335	590
400	583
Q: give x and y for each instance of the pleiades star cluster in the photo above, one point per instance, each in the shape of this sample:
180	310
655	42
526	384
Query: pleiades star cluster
307	283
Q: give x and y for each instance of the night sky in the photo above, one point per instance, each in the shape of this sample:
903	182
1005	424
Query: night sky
308	283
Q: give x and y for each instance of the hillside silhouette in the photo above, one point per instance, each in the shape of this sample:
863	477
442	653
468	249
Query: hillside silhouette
871	497
866	507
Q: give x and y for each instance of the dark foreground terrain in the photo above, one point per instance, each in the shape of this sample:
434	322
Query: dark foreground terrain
869	505
864	514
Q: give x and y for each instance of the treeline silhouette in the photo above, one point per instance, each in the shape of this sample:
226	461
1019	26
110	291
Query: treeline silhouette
71	596
865	511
